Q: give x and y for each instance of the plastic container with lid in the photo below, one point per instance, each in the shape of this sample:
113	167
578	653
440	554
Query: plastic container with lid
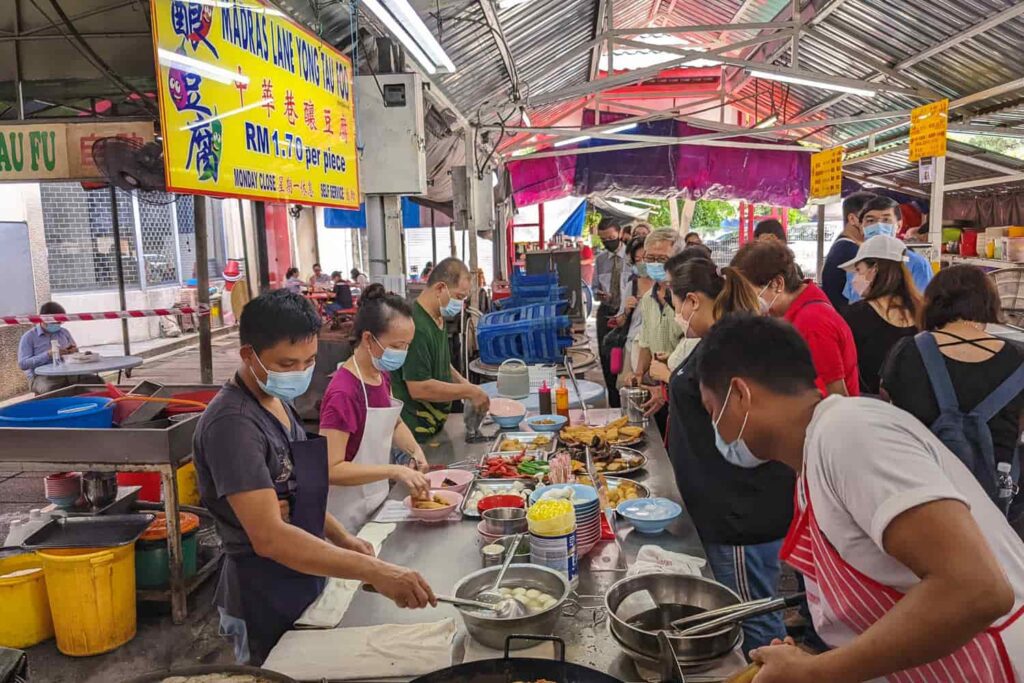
152	558
24	610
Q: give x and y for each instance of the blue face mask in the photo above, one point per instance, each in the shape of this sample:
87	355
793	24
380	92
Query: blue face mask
887	229
735	453
453	308
286	386
640	269
392	360
656	271
52	328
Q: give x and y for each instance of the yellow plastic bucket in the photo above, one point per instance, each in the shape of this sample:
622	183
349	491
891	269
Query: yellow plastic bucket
92	598
24	611
188	485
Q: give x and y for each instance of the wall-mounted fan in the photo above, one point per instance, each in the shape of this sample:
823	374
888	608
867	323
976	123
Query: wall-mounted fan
133	167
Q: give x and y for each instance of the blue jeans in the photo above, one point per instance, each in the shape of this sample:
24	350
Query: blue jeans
753	572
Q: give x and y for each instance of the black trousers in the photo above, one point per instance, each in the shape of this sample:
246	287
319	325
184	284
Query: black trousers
604	313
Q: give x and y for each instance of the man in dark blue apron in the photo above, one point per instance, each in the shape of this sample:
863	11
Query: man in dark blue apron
264	480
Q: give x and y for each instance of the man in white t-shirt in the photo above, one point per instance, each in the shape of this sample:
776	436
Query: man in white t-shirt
912	572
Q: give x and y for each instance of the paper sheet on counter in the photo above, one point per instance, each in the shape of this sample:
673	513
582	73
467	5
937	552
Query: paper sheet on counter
652	559
365	652
328	610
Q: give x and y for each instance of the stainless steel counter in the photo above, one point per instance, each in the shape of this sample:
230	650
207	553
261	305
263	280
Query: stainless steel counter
445	552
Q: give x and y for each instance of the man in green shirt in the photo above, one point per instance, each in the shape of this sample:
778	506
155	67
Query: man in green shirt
427	383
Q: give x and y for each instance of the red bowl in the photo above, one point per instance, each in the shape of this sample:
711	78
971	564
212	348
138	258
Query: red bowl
501	501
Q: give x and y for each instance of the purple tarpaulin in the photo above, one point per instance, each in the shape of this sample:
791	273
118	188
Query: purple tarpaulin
699	172
761	176
542	180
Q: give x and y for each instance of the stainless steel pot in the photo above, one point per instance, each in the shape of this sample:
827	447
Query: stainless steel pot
632	400
99	488
639	607
489	630
505	521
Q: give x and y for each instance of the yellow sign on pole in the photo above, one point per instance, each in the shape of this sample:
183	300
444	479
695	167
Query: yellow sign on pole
252	105
928	130
827	174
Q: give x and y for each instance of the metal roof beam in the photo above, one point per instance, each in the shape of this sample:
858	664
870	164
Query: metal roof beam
864	178
798	73
638	75
982	163
498	35
822	14
984	182
703	28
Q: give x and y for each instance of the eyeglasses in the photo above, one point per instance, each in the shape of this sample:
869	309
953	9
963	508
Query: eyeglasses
655	259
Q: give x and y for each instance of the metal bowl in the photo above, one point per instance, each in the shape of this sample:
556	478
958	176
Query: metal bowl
488	629
505	521
635	623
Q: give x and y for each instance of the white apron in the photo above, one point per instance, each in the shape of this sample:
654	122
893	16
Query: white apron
353	505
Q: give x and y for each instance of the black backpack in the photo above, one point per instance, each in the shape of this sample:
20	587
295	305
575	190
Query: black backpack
967	433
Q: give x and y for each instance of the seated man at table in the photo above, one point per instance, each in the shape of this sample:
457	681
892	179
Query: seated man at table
427	383
319	281
265	482
34	351
342	295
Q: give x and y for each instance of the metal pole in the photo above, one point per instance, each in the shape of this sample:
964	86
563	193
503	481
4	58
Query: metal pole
821	241
140	256
17	61
935	211
433	237
115	223
203	287
376	238
177	242
245	248
263	262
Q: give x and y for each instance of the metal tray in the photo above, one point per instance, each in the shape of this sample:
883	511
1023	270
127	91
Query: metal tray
613	482
640	458
525	437
490	487
102	531
538	455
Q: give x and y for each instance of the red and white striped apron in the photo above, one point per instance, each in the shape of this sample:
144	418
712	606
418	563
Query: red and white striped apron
858	601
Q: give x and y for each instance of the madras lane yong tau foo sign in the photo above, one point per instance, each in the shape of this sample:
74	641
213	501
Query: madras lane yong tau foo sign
928	125
826	174
252	105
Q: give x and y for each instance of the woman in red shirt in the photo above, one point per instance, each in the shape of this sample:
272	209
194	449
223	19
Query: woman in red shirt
770	266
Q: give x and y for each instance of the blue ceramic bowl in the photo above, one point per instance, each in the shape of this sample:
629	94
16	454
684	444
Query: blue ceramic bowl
507	422
546	423
649	515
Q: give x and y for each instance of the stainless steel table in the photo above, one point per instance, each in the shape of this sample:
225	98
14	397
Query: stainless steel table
445	552
102	364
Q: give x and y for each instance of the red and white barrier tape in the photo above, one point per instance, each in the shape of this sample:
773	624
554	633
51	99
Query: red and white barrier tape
35	318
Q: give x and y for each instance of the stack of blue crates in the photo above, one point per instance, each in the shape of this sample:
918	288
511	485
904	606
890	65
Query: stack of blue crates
535	289
535	333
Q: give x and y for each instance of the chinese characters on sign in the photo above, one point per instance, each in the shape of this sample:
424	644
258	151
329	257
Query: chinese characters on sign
252	105
827	174
928	130
60	151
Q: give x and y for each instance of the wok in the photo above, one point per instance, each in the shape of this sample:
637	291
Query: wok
509	668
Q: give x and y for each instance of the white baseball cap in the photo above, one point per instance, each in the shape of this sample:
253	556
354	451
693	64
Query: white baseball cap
878	247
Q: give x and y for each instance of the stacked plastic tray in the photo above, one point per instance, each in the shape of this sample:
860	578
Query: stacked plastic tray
534	333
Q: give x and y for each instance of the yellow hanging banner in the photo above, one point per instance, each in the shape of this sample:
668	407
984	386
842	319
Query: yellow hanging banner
252	105
827	174
928	130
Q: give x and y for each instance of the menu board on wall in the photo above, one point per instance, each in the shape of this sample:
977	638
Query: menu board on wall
928	130
826	174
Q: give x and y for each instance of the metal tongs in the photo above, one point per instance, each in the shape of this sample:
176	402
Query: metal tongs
571	371
727	616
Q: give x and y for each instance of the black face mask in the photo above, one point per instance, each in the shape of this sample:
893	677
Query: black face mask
611	245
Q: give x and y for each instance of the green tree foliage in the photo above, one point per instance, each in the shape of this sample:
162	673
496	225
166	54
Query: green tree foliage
708	214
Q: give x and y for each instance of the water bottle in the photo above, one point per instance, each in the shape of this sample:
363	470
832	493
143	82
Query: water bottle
1005	486
55	351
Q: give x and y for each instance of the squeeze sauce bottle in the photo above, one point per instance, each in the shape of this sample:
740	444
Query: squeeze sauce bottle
544	398
562	400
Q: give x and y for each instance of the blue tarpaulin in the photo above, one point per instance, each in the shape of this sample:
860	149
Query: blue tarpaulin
347	219
573	224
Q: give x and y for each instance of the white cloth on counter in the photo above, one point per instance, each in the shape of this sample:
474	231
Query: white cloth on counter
328	610
365	652
653	559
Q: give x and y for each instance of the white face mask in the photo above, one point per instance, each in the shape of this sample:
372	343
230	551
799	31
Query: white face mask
684	322
860	284
766	306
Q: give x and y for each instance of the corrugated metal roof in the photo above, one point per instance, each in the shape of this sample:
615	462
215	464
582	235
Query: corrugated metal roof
895	167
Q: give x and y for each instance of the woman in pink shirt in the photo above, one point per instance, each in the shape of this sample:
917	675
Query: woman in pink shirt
361	420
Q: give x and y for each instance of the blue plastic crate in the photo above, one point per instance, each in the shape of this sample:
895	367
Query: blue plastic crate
520	278
535	334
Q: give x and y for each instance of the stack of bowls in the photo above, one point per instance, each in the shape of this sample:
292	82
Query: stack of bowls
63	489
588	514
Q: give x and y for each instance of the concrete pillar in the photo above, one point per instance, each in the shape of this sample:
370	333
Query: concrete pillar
306	250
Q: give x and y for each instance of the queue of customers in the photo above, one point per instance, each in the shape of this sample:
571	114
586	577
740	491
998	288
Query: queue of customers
881	394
